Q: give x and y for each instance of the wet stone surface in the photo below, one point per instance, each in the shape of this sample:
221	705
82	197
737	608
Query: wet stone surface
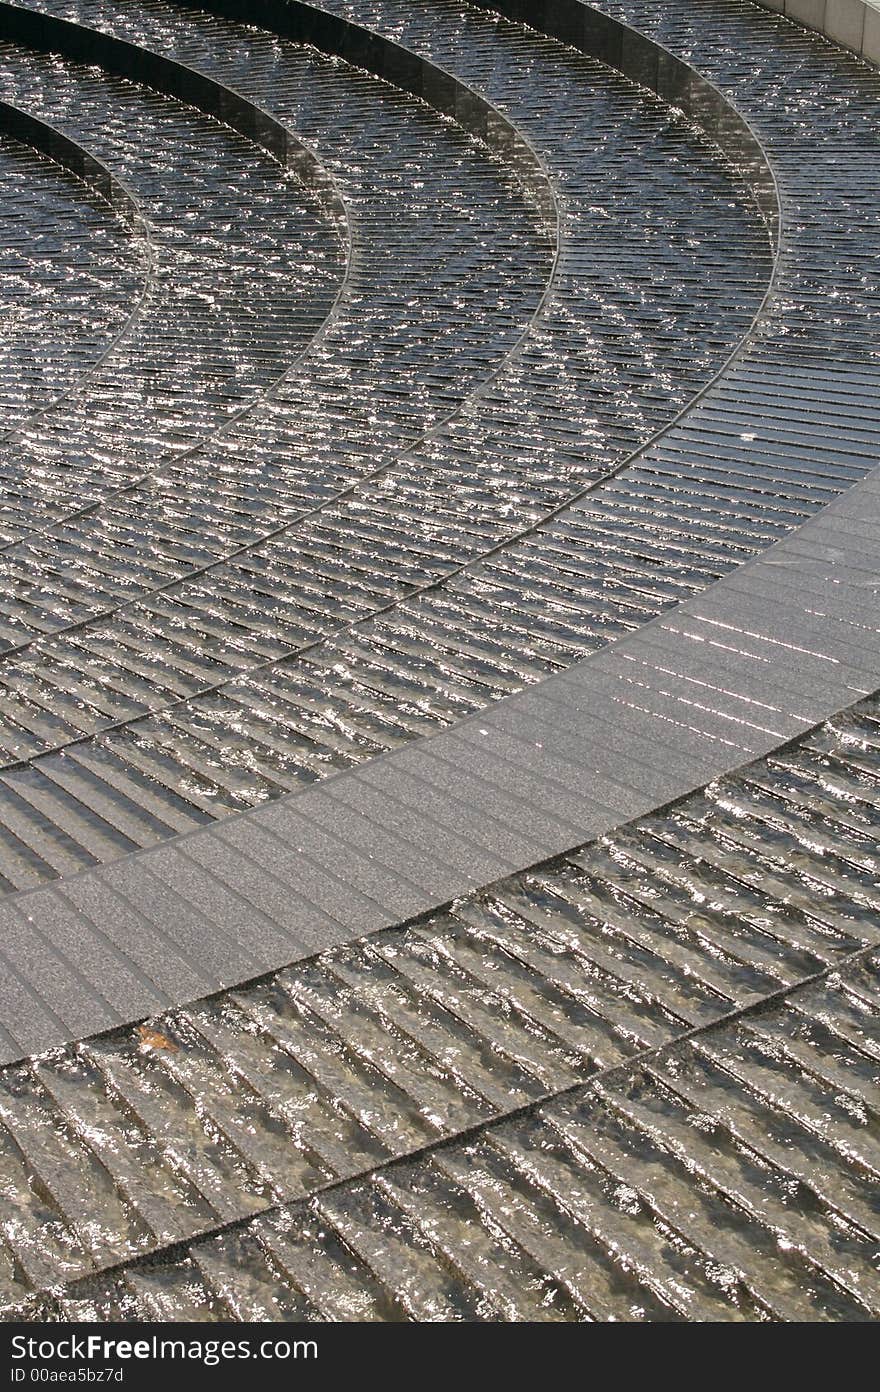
71	276
247	268
643	306
636	1081
635	1197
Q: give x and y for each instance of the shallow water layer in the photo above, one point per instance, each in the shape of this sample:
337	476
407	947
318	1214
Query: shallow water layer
637	317
608	1170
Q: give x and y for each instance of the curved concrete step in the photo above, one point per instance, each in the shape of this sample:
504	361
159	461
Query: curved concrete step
72	275
161	554
640	1077
435	1041
665	710
725	678
335	568
221	318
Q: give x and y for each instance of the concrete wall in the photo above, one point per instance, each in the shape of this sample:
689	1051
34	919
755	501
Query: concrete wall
853	23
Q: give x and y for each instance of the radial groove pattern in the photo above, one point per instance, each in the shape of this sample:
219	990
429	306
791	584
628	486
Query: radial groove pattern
438	751
73	279
698	925
613	352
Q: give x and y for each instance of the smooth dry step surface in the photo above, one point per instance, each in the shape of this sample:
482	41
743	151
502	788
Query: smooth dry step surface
72	275
725	678
641	311
724	1173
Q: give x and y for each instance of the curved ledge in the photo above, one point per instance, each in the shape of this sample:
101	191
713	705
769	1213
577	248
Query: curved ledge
360	46
47	33
115	193
77	160
597	35
694	695
617	735
476	116
756	659
647	62
383	62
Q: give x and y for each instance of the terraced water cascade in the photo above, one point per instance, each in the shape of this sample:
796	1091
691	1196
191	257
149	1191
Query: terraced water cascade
439	731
